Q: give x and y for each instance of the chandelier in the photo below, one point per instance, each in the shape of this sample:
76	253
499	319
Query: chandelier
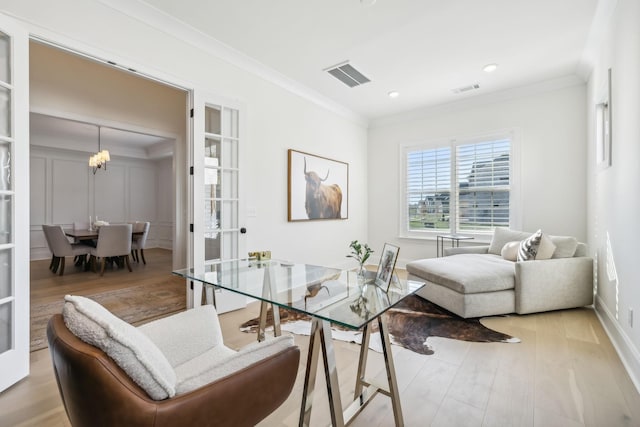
100	159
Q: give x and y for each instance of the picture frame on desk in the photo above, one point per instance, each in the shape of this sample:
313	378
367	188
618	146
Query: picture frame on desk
388	259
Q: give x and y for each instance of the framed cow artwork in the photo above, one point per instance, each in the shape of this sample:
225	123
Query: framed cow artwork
318	187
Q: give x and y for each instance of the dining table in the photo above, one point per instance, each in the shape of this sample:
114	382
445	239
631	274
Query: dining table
79	235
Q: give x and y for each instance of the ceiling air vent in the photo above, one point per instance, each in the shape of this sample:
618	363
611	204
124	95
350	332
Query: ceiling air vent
466	88
347	74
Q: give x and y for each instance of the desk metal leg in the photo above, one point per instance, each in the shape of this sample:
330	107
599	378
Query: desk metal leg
320	339
391	371
268	291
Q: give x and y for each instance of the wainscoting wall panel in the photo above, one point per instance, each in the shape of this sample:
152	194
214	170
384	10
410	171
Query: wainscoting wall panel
70	187
111	188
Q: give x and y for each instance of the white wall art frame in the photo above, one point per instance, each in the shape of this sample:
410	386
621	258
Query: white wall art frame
603	128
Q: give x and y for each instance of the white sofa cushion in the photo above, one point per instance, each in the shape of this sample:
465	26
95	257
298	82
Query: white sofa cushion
467	273
126	345
502	236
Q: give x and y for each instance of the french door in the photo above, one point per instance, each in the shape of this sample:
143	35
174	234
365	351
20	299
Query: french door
14	202
218	220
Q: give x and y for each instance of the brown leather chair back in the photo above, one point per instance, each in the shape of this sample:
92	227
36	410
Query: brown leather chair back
96	392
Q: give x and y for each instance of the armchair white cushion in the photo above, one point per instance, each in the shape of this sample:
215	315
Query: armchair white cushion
169	356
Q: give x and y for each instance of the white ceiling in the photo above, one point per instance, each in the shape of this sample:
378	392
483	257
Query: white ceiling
76	135
421	48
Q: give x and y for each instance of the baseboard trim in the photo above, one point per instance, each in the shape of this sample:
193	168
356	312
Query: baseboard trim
624	347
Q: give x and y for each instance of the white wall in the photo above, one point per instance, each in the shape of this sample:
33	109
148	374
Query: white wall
64	191
613	192
550	129
276	120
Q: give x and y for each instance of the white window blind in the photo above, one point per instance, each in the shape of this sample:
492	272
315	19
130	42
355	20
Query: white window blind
460	187
429	188
483	183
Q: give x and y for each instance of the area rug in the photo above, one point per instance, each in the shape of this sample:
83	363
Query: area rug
135	305
411	322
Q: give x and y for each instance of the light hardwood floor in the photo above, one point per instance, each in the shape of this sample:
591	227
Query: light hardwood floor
565	372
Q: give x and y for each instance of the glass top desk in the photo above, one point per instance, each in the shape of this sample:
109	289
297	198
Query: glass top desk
328	295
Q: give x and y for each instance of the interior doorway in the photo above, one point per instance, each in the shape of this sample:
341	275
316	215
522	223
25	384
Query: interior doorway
144	122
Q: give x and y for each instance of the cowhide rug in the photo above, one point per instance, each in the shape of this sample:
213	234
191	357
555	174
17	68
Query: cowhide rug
410	322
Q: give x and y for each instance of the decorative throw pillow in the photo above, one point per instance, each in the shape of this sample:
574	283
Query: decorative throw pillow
546	248
510	251
529	247
565	246
132	350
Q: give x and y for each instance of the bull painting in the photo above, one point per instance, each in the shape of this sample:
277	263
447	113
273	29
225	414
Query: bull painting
317	187
322	201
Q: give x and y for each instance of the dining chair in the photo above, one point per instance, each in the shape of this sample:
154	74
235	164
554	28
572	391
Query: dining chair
140	242
60	247
113	241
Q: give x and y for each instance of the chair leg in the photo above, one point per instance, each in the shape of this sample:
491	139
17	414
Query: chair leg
104	262
126	259
56	263
144	261
92	261
53	259
61	265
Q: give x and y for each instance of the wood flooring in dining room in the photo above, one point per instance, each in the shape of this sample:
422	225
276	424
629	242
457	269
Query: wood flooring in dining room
565	372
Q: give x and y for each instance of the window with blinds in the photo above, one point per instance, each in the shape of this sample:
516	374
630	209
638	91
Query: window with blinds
482	179
461	187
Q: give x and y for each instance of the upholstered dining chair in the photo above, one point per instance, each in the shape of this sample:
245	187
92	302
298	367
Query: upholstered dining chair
175	371
60	247
141	242
113	241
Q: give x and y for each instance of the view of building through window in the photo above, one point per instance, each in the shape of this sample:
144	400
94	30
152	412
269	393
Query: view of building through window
469	192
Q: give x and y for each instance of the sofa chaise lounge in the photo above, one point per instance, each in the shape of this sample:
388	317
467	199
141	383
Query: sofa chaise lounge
476	281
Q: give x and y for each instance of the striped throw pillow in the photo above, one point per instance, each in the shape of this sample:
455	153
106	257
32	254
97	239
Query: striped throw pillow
529	247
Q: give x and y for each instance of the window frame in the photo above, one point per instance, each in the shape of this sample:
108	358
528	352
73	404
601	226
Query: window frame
515	211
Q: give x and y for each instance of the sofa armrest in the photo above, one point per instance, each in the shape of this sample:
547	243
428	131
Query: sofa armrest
553	284
467	250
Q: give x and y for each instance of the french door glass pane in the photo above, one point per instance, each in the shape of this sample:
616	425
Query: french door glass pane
211	183
5	273
212	151
230	121
5	55
5	218
230	245
5	327
5	166
212	122
211	246
230	184
5	111
230	214
230	153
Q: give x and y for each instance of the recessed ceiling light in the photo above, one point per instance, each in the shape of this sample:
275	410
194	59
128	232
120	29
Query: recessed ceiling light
490	68
394	94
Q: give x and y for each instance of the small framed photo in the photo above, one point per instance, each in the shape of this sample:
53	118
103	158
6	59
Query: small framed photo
386	266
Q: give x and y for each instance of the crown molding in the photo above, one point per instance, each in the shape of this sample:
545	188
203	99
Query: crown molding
172	26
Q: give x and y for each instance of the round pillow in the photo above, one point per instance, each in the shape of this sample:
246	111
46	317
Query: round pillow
510	251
